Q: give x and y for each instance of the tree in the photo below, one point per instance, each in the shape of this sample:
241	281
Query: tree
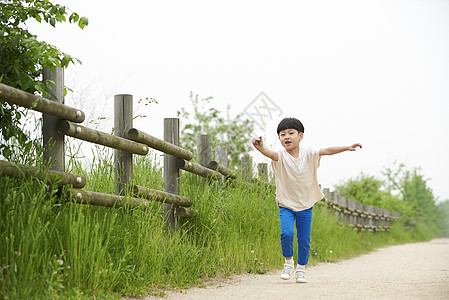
232	133
368	190
444	208
404	191
363	188
393	176
22	58
420	197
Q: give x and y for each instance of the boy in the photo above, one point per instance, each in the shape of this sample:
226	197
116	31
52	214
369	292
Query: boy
297	190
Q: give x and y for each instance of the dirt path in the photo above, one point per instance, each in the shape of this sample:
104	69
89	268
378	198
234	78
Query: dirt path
411	271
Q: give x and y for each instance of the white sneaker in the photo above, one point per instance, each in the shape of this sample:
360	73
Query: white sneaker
300	276
287	271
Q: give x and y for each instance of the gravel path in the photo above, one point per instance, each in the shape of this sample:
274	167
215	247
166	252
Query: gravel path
411	271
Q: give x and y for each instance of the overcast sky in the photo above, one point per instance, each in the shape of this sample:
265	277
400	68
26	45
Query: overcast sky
374	72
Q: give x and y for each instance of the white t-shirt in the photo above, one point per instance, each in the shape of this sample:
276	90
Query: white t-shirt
296	179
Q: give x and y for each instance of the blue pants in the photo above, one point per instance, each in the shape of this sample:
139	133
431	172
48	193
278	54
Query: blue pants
303	220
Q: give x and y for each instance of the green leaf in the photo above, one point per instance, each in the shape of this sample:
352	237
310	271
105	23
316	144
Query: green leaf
38	17
83	22
7	153
74	17
28	146
53	10
15	40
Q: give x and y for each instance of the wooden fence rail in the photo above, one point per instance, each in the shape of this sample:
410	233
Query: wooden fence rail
159	144
213	165
198	169
164	197
37	103
97	137
108	200
127	141
21	171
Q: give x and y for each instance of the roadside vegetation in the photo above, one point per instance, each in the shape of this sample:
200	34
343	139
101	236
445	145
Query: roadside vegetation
402	190
53	248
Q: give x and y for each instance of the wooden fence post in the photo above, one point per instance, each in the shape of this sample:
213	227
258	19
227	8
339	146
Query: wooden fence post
204	147
352	213
326	194
387	220
370	212
221	156
123	161
247	167
171	171
377	220
360	215
263	171
342	203
53	141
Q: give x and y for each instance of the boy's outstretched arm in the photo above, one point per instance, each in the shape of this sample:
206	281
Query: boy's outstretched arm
338	149
258	144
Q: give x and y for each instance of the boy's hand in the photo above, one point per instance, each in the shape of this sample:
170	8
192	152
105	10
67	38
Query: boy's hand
258	144
354	146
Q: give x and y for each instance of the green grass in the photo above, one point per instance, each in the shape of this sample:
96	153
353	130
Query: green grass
53	249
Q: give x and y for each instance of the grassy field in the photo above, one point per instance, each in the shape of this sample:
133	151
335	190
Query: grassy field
57	249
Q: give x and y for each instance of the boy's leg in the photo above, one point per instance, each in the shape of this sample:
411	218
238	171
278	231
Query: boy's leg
303	229
287	221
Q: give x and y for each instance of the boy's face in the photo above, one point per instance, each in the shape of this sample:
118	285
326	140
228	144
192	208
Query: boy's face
290	138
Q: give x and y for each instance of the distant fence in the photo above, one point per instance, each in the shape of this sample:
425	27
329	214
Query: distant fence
361	217
60	120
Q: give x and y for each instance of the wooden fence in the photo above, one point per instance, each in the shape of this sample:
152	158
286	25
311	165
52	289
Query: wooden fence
60	120
361	217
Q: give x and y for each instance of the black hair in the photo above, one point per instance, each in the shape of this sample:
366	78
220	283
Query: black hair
290	123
